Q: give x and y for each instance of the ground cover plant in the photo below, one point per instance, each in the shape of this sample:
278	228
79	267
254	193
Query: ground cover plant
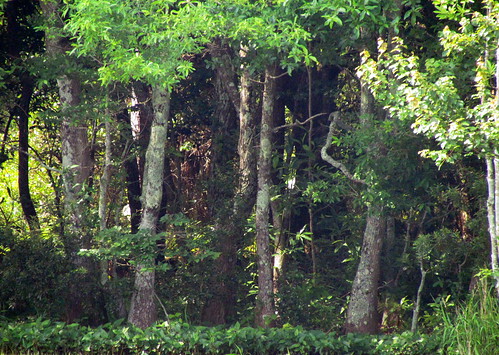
283	176
44	336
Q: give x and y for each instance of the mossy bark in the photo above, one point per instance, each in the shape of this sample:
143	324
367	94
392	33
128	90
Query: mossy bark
143	307
265	309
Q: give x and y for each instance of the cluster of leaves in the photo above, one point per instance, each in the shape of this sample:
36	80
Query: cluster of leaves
434	94
144	246
180	338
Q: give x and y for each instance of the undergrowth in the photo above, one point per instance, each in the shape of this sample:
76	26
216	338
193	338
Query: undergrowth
44	337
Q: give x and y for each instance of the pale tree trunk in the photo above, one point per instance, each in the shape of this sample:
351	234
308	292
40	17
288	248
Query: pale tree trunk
280	214
84	299
492	215
362	313
495	180
143	306
417	305
265	310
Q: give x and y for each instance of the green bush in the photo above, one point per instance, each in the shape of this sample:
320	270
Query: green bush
33	274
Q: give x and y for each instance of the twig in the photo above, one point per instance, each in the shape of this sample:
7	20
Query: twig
334	116
164	309
299	123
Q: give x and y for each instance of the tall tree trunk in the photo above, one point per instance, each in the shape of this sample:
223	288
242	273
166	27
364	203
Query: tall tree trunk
221	307
22	113
84	298
143	306
265	310
492	208
362	314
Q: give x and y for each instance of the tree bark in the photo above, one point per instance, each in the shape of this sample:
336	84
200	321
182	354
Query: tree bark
492	215
133	178
362	314
22	112
265	309
143	306
220	308
84	299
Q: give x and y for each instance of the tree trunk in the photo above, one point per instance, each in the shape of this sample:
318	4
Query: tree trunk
362	314
265	310
492	215
130	164
143	306
417	306
221	307
22	112
84	298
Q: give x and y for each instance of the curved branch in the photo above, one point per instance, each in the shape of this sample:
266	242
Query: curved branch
334	116
299	123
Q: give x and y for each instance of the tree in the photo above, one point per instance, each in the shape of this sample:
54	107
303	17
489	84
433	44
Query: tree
156	59
430	93
76	161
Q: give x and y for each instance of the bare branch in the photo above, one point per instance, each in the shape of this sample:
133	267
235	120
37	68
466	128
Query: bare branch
299	123
334	116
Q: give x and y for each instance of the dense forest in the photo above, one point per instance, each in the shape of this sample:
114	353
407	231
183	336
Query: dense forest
330	165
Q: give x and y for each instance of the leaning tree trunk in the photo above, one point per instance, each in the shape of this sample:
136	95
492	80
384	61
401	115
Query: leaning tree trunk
362	313
143	306
265	310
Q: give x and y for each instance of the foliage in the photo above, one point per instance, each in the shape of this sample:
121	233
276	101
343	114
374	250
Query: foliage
33	274
154	47
177	337
184	239
473	327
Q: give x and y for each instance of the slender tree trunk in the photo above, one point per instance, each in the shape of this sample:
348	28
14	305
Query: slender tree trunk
22	113
265	310
133	179
143	306
280	214
495	162
417	306
492	215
